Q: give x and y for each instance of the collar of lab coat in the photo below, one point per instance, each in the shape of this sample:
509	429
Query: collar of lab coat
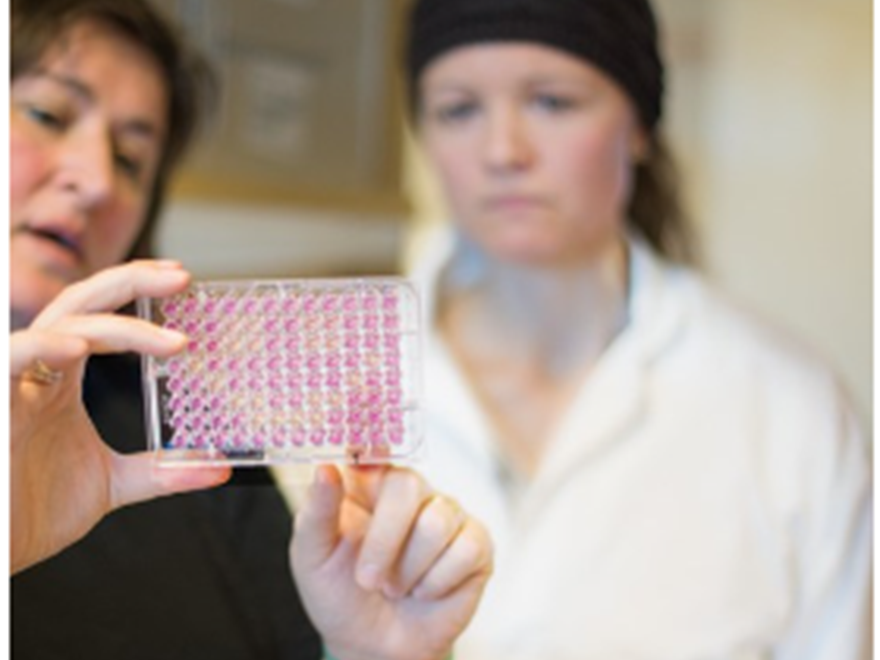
612	397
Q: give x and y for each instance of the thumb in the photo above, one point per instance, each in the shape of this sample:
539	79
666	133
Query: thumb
136	478
317	522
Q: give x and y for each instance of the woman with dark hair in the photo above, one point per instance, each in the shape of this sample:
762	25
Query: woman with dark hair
104	98
188	85
663	476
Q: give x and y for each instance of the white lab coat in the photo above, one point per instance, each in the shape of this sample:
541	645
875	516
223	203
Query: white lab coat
706	498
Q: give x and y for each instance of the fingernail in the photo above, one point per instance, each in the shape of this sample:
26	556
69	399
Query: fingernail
322	476
175	336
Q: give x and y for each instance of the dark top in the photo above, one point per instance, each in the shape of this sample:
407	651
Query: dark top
202	575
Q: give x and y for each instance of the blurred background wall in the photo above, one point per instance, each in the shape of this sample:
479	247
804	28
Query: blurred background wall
770	111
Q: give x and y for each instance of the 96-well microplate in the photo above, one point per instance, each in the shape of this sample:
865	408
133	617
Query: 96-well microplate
287	371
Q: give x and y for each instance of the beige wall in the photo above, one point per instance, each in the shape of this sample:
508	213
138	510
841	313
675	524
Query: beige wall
770	110
223	240
787	148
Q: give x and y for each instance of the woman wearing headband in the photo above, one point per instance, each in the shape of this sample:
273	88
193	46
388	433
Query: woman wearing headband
663	477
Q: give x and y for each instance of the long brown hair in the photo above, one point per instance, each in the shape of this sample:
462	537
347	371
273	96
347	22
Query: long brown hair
656	210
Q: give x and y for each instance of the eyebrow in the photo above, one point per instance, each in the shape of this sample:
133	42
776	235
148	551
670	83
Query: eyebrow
136	125
531	79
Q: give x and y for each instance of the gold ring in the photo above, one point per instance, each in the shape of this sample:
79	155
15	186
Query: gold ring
42	373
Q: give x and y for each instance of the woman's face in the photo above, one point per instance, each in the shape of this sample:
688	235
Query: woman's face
534	148
87	127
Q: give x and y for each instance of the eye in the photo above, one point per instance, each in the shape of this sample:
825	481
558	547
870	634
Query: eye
45	117
129	166
554	103
455	113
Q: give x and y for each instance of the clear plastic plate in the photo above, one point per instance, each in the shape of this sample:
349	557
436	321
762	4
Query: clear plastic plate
304	370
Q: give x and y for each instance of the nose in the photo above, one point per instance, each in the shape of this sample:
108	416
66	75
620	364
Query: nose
87	170
508	147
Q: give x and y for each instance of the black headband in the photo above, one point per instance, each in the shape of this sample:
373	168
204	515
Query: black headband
618	36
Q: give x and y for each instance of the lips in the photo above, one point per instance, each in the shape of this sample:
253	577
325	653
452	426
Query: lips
513	203
68	241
